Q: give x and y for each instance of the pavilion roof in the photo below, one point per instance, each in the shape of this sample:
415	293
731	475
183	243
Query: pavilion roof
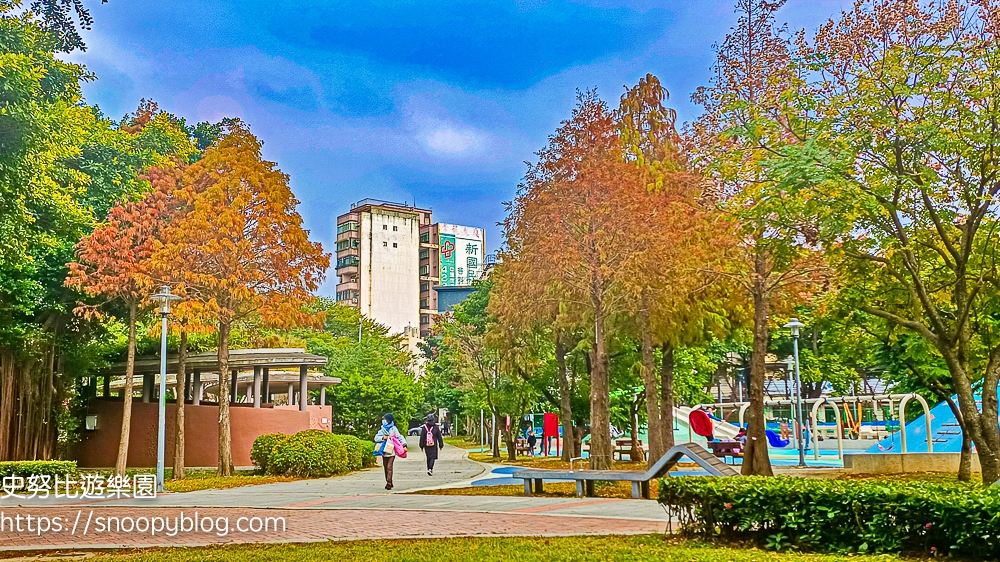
239	359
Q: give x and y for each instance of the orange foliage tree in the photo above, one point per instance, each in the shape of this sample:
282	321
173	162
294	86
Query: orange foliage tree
241	250
113	266
583	191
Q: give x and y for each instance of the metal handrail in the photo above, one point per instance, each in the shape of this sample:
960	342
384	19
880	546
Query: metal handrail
571	462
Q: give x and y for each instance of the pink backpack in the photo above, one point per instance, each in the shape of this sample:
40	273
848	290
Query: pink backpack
429	442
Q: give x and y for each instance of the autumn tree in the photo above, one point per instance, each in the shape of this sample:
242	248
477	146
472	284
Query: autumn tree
113	266
670	280
775	259
579	195
241	250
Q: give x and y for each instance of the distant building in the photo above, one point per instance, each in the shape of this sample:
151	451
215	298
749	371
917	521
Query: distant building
451	255
378	263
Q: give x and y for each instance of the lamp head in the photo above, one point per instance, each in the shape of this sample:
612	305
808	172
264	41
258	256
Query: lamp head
794	325
164	298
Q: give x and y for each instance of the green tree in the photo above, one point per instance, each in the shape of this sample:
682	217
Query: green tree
897	110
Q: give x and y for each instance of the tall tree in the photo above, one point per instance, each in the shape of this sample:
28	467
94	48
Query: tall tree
898	107
242	250
670	276
582	189
113	265
773	260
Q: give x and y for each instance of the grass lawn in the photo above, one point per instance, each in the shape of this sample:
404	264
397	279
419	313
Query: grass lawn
460	442
512	549
204	479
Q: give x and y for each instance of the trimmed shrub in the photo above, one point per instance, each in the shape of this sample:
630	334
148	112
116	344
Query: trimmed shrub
260	453
310	453
359	453
25	469
840	515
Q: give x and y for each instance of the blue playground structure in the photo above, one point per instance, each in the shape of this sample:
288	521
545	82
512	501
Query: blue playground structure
946	434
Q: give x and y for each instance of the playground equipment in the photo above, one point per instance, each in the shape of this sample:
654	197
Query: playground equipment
836	402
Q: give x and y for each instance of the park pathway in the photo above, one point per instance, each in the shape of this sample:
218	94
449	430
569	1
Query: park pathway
350	507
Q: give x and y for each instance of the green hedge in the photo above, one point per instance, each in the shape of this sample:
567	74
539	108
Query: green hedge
25	469
260	453
311	453
840	515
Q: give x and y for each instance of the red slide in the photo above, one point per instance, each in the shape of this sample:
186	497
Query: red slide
701	424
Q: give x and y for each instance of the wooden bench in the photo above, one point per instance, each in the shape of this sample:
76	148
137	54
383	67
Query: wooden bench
724	449
624	447
534	477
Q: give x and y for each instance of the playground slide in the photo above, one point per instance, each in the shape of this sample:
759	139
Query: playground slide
778	442
722	430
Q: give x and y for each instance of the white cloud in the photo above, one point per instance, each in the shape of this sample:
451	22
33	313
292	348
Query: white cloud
447	140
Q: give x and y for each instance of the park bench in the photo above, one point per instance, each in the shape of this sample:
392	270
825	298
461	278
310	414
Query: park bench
623	447
723	449
585	479
521	445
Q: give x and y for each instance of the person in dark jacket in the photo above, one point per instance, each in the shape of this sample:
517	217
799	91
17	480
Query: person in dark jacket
430	442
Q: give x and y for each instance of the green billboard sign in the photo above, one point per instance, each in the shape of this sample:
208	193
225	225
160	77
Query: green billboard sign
449	275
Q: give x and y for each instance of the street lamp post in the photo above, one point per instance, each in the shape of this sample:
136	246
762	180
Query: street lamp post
794	325
163	299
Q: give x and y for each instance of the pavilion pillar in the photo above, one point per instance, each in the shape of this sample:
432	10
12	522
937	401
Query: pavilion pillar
107	386
256	387
147	388
266	387
291	394
196	388
322	395
187	387
303	388
233	384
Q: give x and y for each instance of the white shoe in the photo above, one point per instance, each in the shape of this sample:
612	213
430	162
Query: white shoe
430	472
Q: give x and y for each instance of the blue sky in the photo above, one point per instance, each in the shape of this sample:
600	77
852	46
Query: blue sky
435	101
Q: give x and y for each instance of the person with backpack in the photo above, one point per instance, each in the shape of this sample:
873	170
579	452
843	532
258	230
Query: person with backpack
386	440
430	442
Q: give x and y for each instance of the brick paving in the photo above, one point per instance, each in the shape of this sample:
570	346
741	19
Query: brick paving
301	525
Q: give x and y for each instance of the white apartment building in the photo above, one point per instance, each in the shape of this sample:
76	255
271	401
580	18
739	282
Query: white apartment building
378	262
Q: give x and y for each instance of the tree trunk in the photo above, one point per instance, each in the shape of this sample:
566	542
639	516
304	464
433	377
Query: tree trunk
495	434
667	398
225	438
981	428
179	424
565	401
122	462
755	457
600	397
510	438
655	424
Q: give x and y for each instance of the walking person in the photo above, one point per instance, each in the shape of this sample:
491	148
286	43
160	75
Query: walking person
385	448
430	442
532	442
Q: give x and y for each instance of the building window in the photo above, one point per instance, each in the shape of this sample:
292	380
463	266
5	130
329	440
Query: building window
425	237
347	227
347	261
424	303
424	270
425	318
348	295
395	228
348	244
385	227
395	245
424	287
425	253
385	244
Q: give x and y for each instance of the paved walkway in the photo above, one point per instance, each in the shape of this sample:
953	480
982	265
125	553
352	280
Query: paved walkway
354	506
